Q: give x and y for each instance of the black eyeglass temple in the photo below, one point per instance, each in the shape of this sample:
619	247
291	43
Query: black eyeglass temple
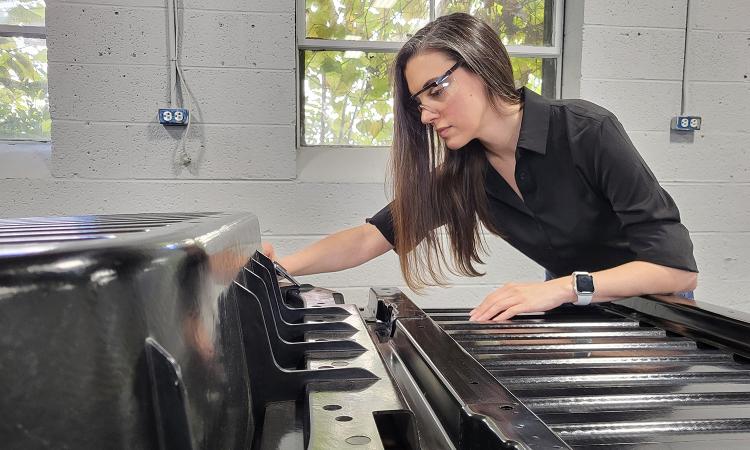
434	83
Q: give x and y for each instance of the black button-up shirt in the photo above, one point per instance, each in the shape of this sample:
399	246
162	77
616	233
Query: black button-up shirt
590	202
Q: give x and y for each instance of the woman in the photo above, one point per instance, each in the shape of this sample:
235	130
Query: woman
558	180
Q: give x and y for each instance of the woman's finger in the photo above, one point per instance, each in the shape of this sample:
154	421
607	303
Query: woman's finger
268	250
510	312
496	308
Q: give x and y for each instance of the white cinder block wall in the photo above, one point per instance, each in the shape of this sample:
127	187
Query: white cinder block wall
108	76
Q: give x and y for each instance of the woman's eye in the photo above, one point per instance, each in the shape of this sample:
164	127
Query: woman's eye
437	91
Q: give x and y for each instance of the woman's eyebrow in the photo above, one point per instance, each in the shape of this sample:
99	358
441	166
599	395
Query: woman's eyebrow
426	84
430	81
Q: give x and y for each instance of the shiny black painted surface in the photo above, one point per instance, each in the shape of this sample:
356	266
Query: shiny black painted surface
171	332
80	296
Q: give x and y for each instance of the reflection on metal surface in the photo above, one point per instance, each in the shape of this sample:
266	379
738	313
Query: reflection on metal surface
173	334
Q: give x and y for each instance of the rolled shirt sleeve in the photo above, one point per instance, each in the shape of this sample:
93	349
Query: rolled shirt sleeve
383	221
649	215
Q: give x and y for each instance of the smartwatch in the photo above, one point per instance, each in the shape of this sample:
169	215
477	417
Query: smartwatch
583	285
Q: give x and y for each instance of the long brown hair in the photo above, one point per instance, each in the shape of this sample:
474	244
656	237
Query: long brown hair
432	186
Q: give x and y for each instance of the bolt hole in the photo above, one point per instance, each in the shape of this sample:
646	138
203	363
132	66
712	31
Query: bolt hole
520	425
339	363
358	440
343	419
325	367
473	382
332	407
320	340
506	407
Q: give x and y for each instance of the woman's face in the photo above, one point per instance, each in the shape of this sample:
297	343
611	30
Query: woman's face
454	109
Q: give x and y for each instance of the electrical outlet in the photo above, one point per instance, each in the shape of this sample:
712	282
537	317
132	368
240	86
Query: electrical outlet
686	123
173	116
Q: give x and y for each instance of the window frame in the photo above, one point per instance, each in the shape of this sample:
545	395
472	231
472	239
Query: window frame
304	44
31	32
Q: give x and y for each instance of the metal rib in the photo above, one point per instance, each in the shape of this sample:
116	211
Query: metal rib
646	431
595	358
537	345
536	323
555	333
618	369
630	379
595	403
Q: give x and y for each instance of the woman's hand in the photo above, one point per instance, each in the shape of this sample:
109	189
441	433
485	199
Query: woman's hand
267	249
516	298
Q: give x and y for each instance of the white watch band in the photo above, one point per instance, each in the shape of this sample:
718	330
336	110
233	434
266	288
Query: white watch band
584	299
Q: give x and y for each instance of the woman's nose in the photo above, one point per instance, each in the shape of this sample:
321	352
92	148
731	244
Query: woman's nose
428	116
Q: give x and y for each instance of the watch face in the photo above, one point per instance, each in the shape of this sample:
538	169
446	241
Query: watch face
585	284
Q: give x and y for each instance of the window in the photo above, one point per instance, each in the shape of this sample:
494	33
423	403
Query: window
24	107
346	46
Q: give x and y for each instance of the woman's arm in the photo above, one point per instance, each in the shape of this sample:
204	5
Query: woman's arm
627	280
342	250
639	278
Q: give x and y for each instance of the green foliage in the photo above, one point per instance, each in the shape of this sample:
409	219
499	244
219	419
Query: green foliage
518	22
22	12
24	108
358	19
347	98
347	95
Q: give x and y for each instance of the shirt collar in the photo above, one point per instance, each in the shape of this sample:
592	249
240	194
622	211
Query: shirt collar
535	122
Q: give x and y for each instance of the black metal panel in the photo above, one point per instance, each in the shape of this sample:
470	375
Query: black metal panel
75	315
159	331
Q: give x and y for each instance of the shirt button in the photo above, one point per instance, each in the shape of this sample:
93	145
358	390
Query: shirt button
522	175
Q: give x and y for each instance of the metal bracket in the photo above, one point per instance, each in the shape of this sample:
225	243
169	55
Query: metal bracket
168	394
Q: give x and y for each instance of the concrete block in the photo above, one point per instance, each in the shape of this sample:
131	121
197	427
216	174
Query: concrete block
231	39
285	208
243	95
719	56
726	15
216	5
125	3
503	263
715	207
24	159
106	34
123	151
103	92
708	157
636	13
729	294
723	106
286	6
632	53
722	256
639	105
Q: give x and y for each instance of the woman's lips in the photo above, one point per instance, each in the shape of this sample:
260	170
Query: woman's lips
443	131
